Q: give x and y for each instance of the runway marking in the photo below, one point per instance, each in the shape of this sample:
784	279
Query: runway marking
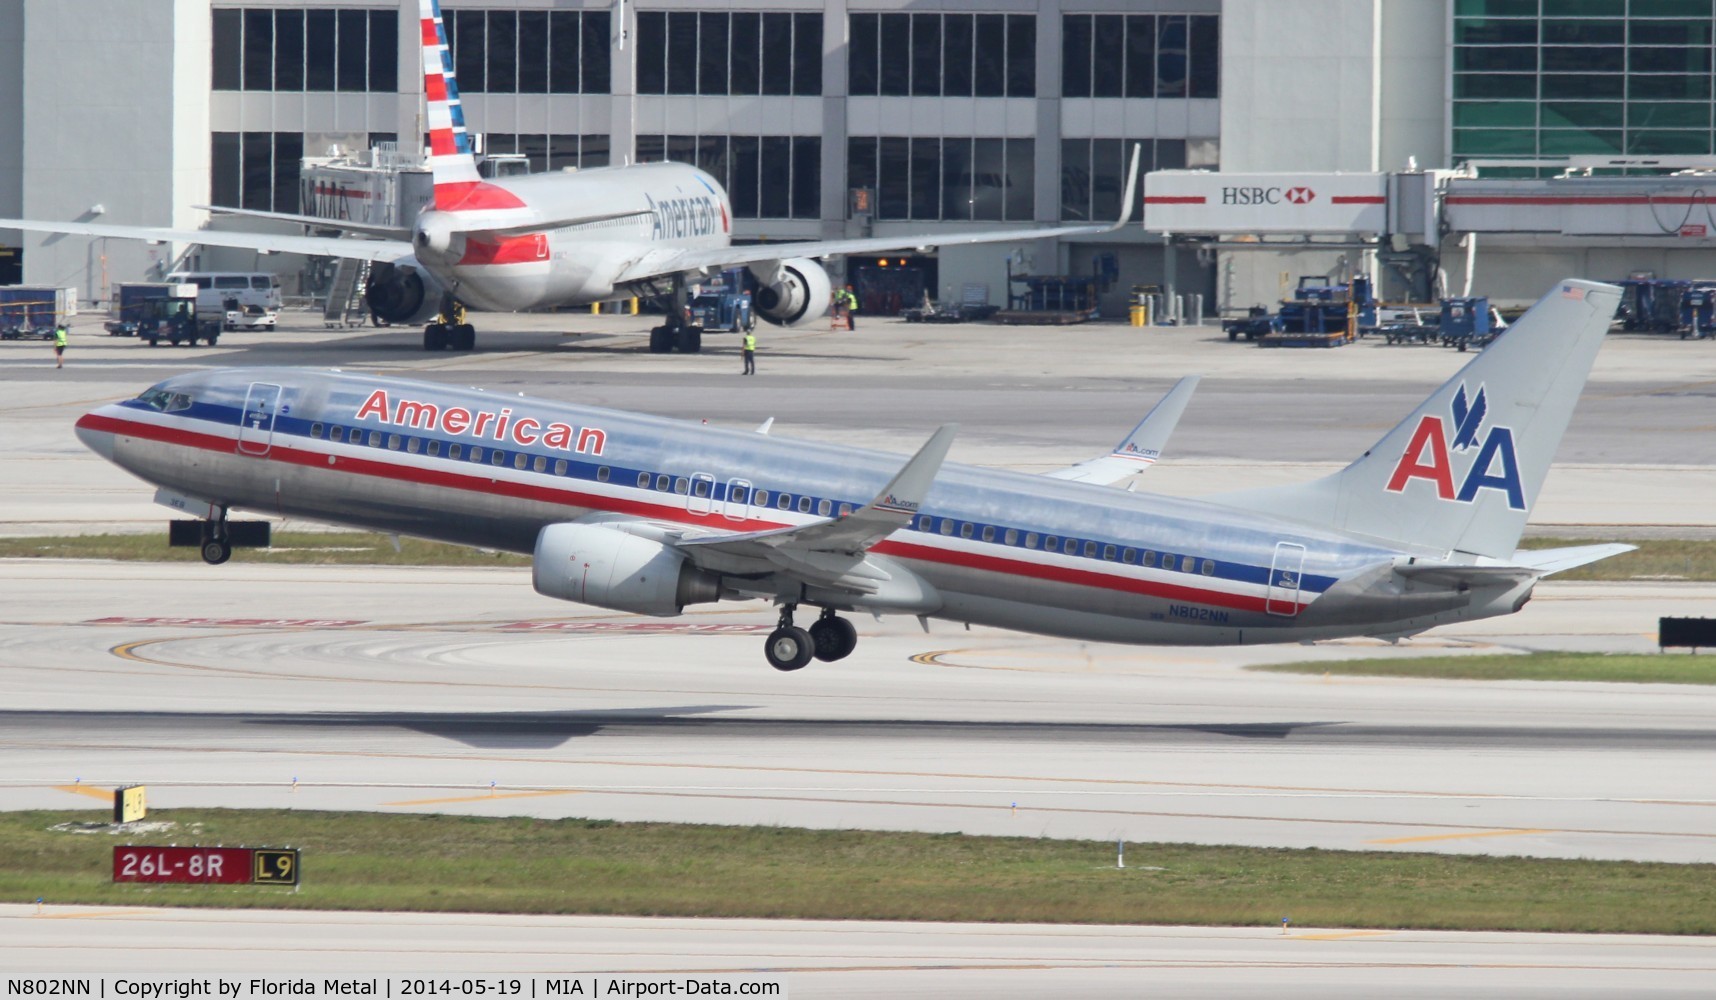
1457	836
486	798
1339	935
105	794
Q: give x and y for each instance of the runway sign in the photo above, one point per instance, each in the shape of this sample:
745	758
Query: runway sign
206	865
128	804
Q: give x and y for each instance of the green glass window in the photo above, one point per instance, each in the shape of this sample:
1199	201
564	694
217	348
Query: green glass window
1584	32
1660	114
1495	8
1494	31
1669	88
1694	32
1662	59
1584	8
1668	143
1568	114
1579	142
1583	59
1495	114
1671	8
1494	85
1579	86
1496	59
1494	142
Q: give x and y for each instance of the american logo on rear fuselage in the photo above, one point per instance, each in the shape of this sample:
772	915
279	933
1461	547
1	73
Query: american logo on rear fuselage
1428	455
493	425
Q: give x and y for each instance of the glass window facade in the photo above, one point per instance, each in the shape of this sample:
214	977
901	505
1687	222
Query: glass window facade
687	52
255	170
945	178
298	49
942	55
1140	55
1093	174
551	152
1543	78
766	176
529	51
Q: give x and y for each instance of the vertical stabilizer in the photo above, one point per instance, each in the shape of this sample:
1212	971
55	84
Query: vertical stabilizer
458	186
1463	471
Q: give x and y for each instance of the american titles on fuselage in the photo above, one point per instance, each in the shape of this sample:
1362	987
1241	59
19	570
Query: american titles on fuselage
675	218
494	425
1428	455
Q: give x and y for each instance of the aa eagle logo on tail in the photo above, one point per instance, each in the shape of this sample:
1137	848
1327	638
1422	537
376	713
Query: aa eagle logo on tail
1428	455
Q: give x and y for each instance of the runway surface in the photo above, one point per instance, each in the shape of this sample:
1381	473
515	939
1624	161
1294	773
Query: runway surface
861	959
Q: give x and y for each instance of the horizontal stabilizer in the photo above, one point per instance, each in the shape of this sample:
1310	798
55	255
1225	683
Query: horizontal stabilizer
1547	561
1141	448
1462	576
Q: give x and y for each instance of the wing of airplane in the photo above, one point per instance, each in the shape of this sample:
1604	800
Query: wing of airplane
315	246
1140	449
670	261
401	233
830	552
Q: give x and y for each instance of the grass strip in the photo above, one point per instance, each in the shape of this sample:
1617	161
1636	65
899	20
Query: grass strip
301	547
371	861
1645	668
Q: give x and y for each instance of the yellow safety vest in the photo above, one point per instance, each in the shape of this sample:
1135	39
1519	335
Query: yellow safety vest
59	336
750	341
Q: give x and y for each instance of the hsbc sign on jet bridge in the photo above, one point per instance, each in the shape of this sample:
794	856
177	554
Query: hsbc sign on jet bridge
1197	201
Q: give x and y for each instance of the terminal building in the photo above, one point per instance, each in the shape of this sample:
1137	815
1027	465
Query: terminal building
860	117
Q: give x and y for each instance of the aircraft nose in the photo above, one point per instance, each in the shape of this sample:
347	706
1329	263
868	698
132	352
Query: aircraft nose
94	438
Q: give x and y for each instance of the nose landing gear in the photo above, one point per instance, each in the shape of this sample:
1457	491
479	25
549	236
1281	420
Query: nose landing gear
829	638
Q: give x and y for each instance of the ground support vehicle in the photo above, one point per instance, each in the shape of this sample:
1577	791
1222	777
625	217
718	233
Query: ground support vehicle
1319	314
1468	322
31	311
174	317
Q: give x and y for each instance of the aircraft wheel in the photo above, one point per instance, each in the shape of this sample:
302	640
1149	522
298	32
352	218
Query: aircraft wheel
690	340
789	648
463	337
660	340
835	638
434	337
154	342
216	551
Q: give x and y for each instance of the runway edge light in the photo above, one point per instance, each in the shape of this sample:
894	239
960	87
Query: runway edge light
129	804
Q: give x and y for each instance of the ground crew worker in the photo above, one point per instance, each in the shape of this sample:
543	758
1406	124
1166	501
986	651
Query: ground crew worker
60	345
750	345
848	301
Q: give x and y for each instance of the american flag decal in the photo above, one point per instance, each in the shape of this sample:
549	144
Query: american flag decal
1570	292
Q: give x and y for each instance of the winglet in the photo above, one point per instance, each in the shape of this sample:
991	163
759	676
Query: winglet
1129	200
905	493
1141	448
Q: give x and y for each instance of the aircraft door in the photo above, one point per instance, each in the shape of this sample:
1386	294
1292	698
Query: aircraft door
701	500
1284	573
256	428
738	503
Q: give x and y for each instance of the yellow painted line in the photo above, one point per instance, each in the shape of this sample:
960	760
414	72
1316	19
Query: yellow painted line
1337	936
105	794
1456	836
485	798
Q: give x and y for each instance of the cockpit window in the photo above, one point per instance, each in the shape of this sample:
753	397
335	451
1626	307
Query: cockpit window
166	402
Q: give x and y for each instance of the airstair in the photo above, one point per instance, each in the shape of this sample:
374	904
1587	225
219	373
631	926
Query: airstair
345	303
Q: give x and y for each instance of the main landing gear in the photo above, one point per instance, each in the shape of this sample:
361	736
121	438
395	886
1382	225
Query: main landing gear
449	329
829	638
678	333
217	541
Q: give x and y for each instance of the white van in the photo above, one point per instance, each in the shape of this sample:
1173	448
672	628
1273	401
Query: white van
248	299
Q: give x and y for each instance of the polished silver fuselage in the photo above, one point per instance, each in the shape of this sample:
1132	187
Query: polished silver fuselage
998	548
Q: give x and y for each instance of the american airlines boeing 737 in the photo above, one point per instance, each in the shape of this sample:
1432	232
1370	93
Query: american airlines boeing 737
557	239
647	515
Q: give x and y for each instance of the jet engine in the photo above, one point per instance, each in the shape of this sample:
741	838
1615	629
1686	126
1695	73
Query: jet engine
403	292
591	564
790	292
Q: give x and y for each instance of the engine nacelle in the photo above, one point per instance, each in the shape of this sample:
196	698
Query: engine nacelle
403	292
790	292
591	564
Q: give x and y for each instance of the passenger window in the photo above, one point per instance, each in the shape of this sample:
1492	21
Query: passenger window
784	501
1090	550
498	457
1209	567
736	494
336	433
823	507
537	464
643	480
700	488
1051	543
1030	539
393	442
315	430
1072	547
434	448
760	498
375	439
804	505
560	466
947	525
965	529
603	473
925	523
1149	557
413	445
1167	561
663	482
1012	536
1108	552
989	532
681	485
476	453
845	509
454	449
1128	556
